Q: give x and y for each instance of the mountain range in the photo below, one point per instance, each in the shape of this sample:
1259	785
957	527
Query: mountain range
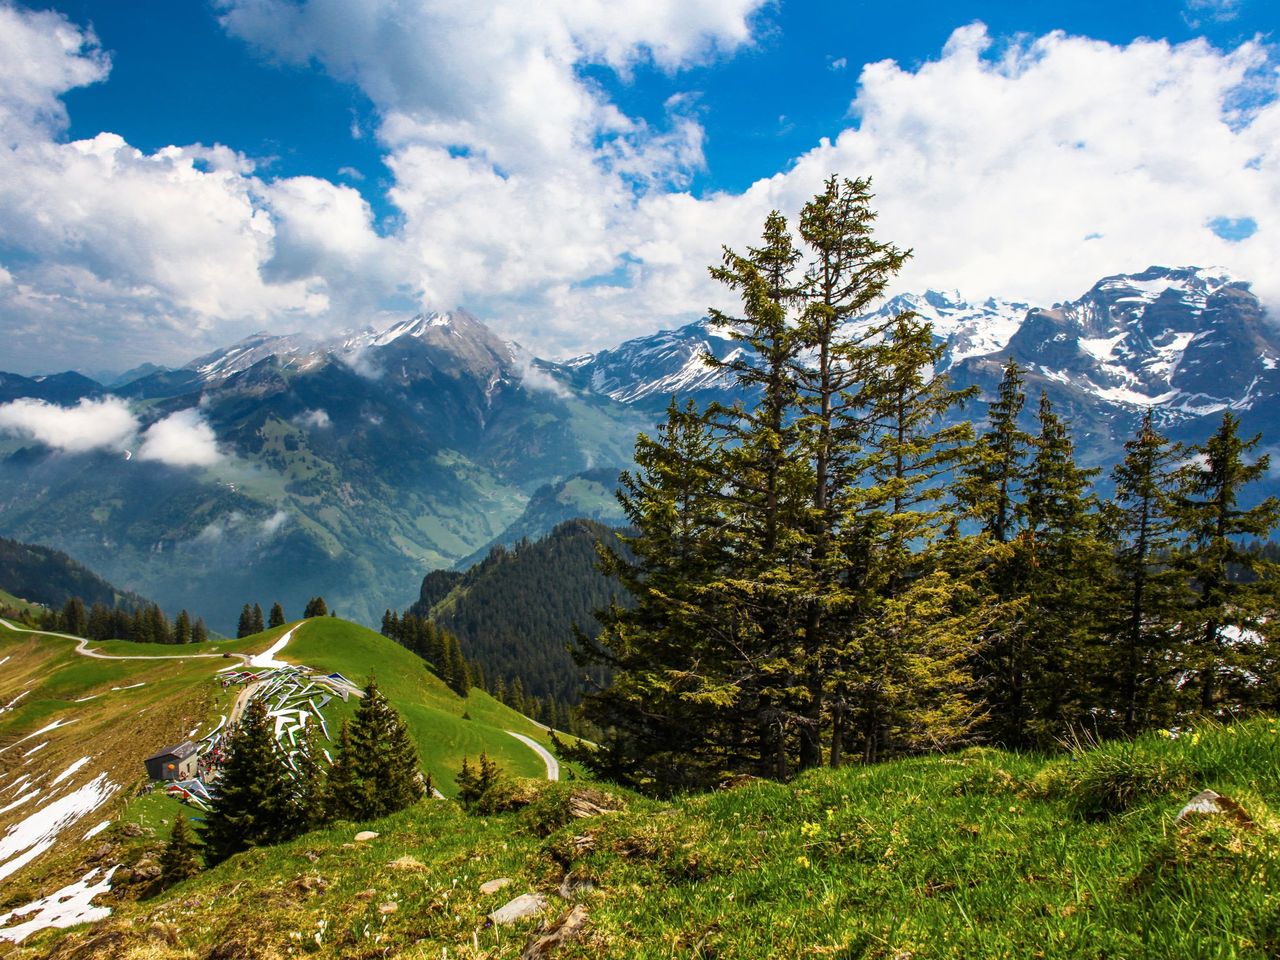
350	466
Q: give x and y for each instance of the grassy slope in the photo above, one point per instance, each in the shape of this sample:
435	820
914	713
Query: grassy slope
435	714
117	728
980	855
9	600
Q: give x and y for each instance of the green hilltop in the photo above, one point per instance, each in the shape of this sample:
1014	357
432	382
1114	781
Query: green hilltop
99	718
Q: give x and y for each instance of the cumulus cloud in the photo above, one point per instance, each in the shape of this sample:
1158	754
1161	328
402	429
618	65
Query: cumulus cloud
182	439
524	193
315	419
89	425
273	524
994	160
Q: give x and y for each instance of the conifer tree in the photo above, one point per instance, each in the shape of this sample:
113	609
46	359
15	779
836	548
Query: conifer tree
199	632
341	790
847	274
310	781
1063	565
767	483
1210	517
381	772
258	624
74	619
316	607
901	682
668	714
180	859
276	618
1150	591
255	800
182	628
245	626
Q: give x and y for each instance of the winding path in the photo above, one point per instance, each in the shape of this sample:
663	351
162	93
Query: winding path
553	765
82	648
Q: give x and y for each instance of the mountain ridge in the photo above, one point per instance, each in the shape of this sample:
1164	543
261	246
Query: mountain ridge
351	465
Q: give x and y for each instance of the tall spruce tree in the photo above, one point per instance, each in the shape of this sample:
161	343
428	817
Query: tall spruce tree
258	624
670	713
1150	591
1214	523
1062	562
276	617
766	485
244	628
847	273
380	765
255	802
901	682
182	628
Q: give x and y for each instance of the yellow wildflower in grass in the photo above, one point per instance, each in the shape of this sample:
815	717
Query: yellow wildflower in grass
810	829
803	861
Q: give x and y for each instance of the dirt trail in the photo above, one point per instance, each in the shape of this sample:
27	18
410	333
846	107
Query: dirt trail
82	648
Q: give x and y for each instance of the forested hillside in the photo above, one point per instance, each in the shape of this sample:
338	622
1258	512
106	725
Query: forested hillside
515	611
51	578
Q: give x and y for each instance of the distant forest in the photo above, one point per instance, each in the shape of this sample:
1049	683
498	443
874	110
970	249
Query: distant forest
515	612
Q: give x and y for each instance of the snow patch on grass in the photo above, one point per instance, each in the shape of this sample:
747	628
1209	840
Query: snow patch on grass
267	657
45	729
36	749
69	771
67	907
31	837
20	801
95	830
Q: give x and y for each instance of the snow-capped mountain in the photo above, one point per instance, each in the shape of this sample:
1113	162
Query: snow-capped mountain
1186	341
455	343
349	465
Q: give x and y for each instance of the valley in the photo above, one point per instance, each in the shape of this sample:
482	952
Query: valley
354	465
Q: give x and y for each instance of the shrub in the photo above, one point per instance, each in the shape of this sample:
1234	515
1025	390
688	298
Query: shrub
1105	782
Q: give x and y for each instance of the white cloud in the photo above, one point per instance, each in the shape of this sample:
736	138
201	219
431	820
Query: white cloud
315	419
527	195
273	524
839	63
89	425
182	439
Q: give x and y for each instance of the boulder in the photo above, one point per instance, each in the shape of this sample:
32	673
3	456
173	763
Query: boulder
524	906
493	886
364	835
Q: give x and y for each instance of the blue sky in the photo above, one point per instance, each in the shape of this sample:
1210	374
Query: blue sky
182	174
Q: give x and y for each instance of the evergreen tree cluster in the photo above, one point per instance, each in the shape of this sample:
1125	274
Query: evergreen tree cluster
437	646
443	653
515	611
844	571
251	621
145	623
266	795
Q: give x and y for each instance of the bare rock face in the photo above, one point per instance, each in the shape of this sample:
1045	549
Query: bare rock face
524	906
